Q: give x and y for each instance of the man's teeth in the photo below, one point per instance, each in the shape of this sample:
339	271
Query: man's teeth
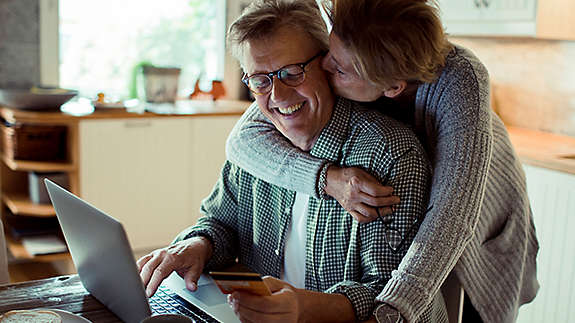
291	109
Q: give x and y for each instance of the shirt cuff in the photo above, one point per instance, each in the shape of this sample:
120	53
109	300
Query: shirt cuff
362	298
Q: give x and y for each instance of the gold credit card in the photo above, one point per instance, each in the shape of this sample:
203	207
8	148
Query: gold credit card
228	282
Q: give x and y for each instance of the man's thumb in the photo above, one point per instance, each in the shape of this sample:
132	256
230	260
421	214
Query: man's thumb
191	279
273	283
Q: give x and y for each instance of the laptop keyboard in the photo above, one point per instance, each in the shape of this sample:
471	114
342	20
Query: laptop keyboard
166	301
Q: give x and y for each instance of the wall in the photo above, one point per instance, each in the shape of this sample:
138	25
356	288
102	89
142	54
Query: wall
19	43
533	80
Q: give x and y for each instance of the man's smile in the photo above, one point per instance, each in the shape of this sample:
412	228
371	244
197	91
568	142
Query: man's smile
289	110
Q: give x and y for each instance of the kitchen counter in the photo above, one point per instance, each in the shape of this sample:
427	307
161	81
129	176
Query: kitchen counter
71	114
537	148
543	149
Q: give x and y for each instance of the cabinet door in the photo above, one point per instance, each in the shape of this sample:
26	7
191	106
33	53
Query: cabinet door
509	10
552	197
138	171
208	154
460	10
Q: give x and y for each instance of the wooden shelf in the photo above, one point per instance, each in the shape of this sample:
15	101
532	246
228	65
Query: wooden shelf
20	204
38	166
19	252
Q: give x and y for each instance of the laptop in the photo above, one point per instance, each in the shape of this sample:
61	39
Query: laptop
106	266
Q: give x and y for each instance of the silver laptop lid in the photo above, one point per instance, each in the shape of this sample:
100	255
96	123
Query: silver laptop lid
102	255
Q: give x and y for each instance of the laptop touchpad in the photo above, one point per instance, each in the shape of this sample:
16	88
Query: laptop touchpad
208	294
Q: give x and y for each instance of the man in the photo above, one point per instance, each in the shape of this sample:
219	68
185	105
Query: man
331	266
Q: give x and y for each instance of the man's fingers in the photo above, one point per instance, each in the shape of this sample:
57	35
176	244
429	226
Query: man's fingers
160	273
142	261
148	269
371	186
191	278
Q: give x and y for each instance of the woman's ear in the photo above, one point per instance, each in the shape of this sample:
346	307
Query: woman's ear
395	89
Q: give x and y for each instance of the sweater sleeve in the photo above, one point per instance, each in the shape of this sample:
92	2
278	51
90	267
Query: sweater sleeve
462	150
258	147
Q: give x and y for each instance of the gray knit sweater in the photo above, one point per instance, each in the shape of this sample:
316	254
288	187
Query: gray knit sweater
481	223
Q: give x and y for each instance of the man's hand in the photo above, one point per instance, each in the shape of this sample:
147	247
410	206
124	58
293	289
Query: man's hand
282	306
186	257
359	193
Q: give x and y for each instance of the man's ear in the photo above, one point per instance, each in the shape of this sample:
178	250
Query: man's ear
395	89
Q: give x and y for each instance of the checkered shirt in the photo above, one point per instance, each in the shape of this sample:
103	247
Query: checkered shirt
246	218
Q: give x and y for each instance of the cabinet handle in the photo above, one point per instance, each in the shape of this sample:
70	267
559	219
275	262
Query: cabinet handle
486	3
477	3
137	124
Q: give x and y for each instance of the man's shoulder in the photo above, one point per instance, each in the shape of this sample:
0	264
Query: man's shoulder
373	128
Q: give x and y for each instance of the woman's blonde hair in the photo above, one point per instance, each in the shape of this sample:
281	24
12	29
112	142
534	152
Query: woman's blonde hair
391	40
262	18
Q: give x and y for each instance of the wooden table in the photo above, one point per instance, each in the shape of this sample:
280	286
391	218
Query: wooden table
64	293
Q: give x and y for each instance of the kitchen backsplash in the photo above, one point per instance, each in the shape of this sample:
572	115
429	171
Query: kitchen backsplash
533	80
19	43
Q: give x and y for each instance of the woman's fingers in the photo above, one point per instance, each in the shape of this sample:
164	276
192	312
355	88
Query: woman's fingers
366	214
378	201
370	185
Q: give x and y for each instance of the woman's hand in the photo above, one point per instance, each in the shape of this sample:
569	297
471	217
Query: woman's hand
359	193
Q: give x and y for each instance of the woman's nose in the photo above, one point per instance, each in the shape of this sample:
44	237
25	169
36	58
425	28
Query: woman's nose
326	63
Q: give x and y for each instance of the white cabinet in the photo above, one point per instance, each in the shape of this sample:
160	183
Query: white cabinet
152	173
552	19
489	17
138	170
209	136
552	196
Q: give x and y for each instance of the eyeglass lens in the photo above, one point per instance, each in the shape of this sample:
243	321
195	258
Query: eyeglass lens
291	75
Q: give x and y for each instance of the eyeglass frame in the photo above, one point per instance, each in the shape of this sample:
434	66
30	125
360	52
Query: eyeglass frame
270	75
386	227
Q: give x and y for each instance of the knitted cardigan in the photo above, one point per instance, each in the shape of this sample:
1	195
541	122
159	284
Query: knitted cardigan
481	224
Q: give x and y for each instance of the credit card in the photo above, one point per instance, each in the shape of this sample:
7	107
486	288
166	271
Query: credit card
228	282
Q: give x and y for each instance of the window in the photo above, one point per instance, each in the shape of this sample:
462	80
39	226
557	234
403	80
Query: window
102	42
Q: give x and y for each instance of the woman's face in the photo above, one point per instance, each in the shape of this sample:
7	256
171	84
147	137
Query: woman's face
342	76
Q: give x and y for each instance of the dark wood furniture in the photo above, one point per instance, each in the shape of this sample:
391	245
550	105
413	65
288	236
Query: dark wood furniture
64	293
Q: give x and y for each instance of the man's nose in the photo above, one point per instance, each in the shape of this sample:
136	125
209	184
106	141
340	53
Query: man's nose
279	90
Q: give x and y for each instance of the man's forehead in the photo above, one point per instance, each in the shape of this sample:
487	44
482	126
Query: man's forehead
278	50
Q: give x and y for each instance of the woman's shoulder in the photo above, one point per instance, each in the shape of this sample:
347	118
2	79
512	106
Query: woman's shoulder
462	65
460	95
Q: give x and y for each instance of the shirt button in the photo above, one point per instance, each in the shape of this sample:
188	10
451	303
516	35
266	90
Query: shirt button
277	252
287	210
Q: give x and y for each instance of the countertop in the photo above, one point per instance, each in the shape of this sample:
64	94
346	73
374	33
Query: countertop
537	148
543	149
73	113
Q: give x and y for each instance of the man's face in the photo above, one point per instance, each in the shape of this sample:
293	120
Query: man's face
298	112
343	78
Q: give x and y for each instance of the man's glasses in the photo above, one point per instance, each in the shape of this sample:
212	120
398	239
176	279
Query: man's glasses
290	75
392	237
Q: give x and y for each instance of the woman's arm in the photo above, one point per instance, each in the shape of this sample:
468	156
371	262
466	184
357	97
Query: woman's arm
258	147
461	155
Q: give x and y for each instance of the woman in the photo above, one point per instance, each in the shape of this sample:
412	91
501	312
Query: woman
479	221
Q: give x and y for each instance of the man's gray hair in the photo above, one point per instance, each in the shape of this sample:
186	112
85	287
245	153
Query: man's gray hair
262	18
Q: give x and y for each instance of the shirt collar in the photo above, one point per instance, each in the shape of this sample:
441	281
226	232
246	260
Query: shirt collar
333	136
